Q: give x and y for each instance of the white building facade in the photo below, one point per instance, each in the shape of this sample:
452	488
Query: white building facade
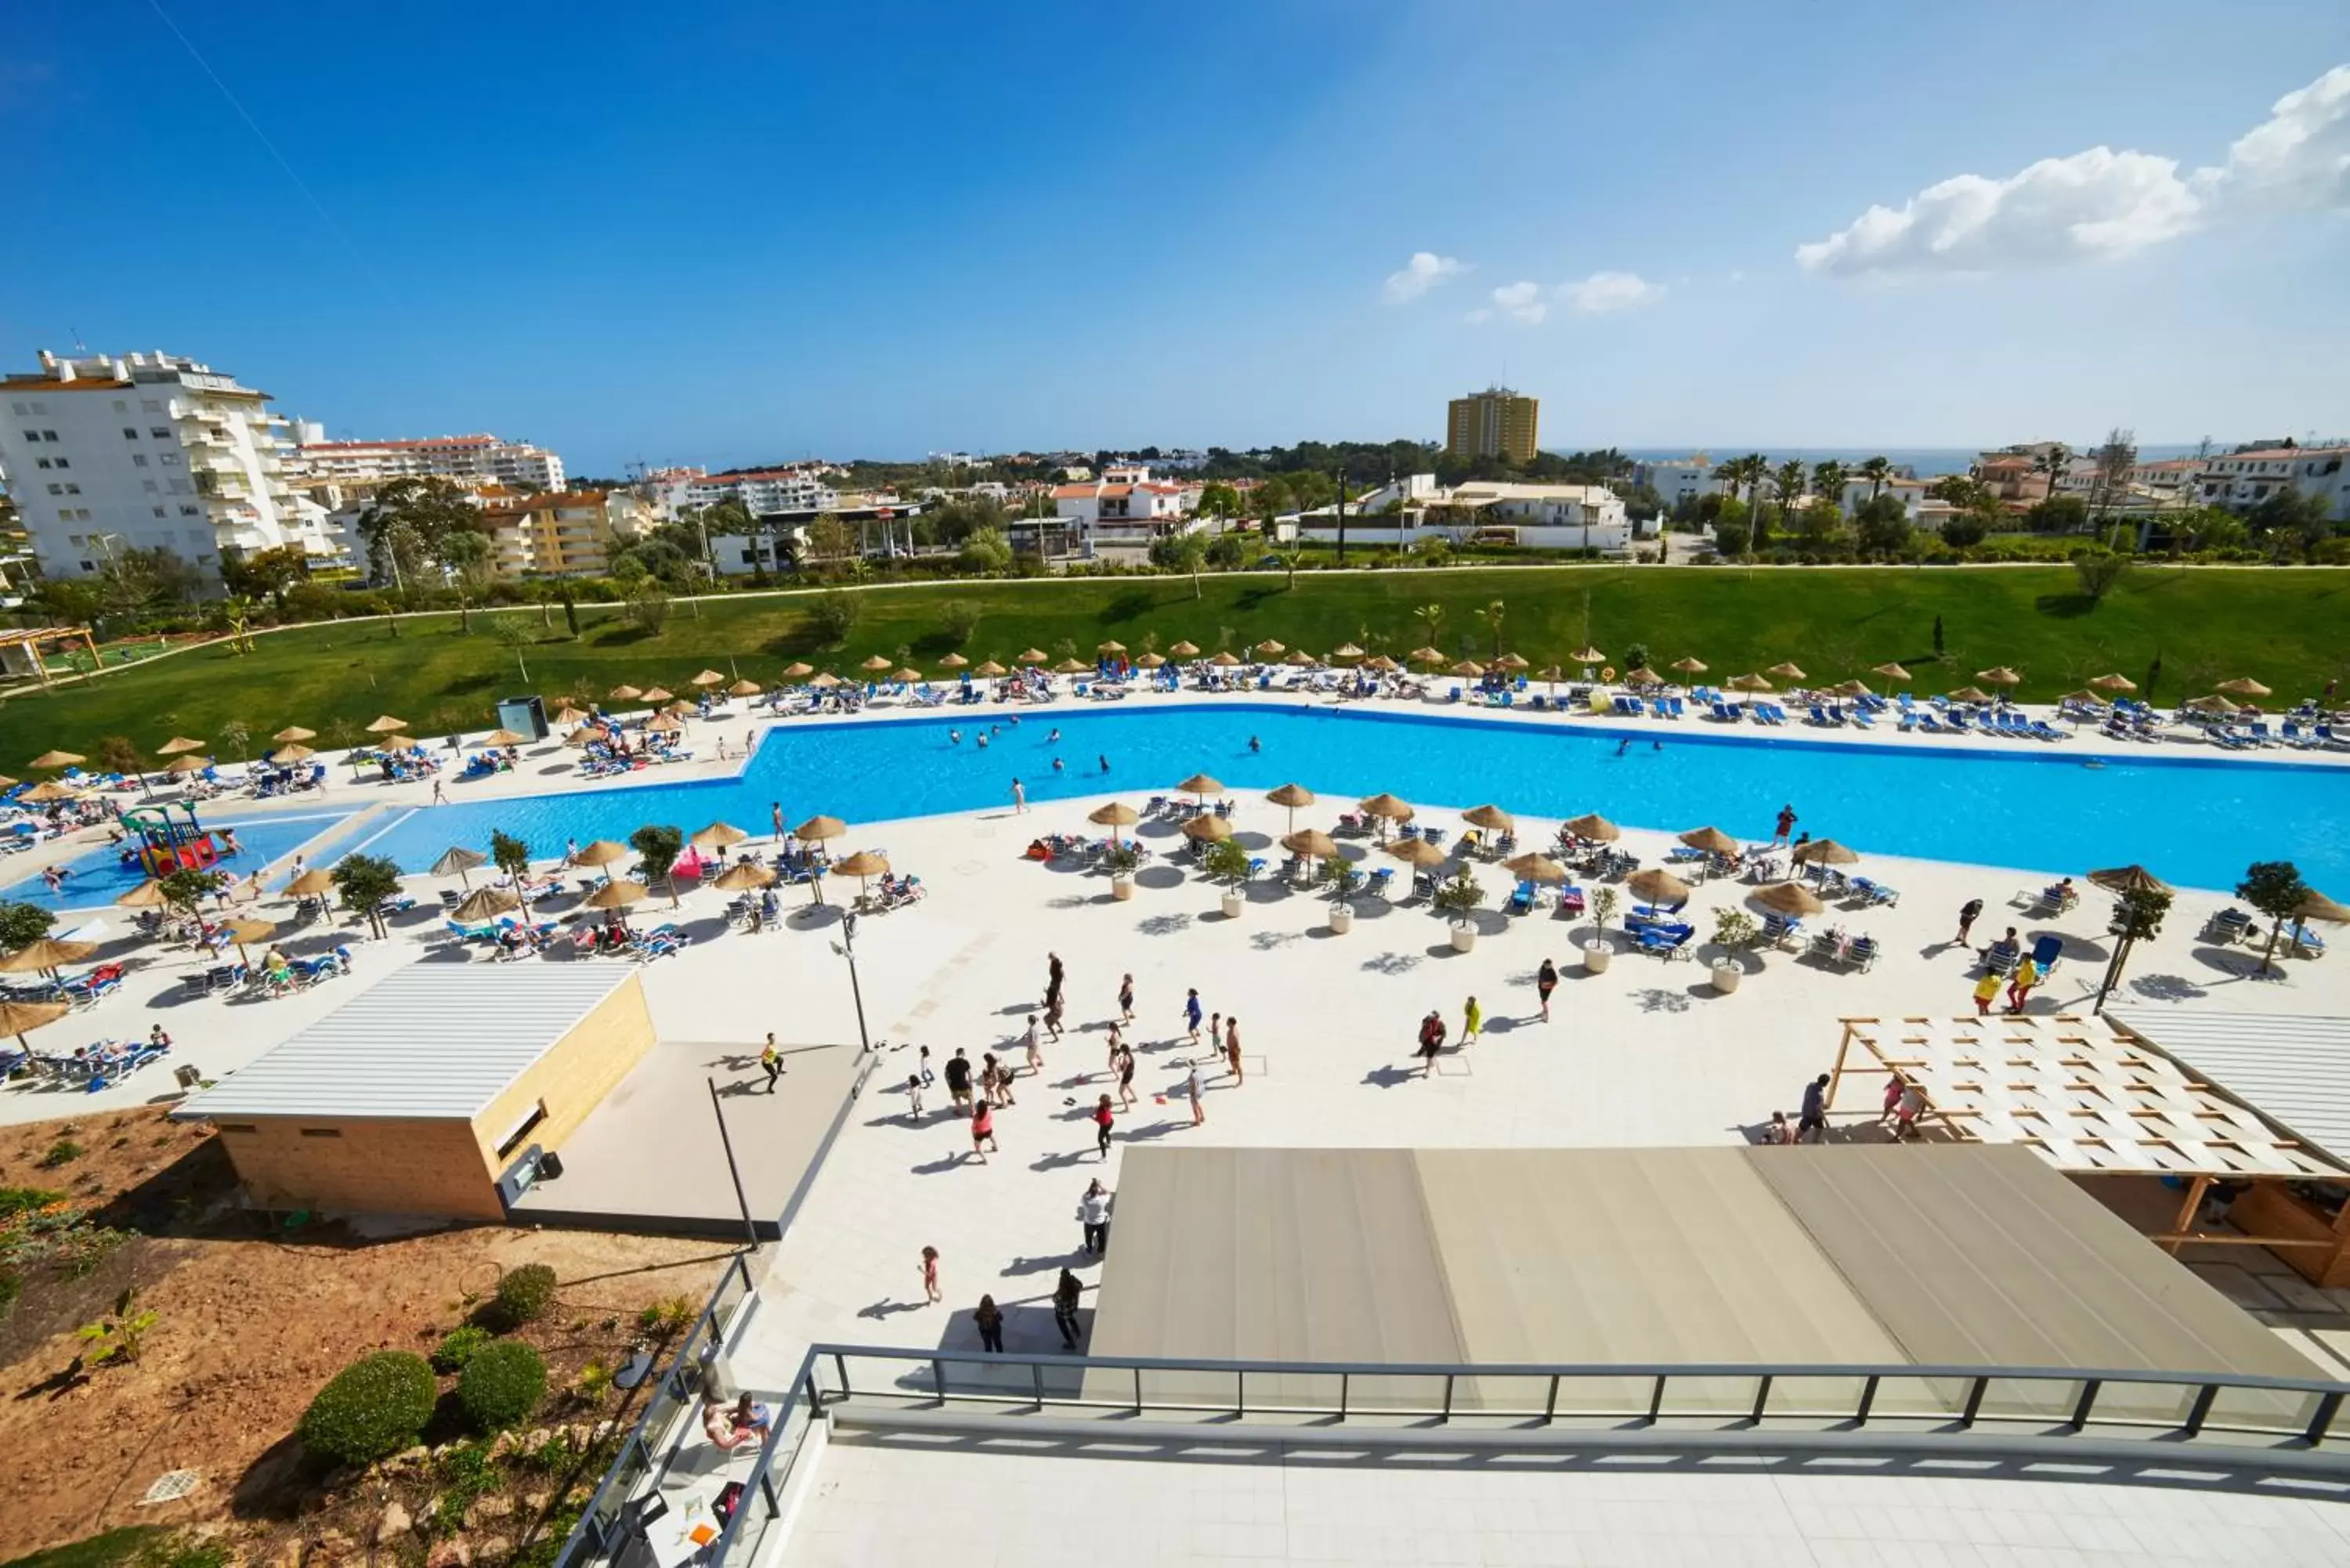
1679	481
768	491
468	458
107	453
1124	511
2242	480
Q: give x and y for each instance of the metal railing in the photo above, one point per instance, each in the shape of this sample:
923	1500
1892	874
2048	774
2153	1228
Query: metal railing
654	1441
2281	1422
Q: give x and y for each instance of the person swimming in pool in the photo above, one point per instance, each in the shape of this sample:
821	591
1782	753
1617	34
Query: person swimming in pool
1255	744
954	737
1104	762
1054	739
1623	745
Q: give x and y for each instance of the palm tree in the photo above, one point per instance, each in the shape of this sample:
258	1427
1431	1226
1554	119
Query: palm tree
1828	479
1877	470
1492	616
1432	617
1788	483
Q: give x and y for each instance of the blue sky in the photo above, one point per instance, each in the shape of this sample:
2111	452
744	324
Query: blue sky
728	232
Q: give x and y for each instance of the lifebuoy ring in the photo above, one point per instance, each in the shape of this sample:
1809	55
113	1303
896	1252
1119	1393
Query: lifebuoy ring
1609	673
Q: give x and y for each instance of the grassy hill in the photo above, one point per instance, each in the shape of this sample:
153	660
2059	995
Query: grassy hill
2286	627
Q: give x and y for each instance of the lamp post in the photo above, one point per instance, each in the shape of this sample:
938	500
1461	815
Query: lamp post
846	948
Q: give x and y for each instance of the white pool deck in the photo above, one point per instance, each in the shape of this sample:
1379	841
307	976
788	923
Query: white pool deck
1643	1054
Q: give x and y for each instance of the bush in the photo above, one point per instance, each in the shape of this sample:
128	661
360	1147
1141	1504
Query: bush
523	1294
502	1385
458	1347
65	1151
375	1406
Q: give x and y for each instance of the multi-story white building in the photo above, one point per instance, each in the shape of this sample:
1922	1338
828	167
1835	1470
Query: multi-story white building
2244	479
480	459
1124	509
147	451
765	492
1679	480
1910	492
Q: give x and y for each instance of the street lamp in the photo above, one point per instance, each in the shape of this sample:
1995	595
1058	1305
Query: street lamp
846	948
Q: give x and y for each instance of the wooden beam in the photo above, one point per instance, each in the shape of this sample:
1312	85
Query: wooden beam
2187	1210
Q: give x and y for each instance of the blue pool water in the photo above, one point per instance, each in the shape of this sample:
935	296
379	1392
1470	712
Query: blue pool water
2194	822
100	876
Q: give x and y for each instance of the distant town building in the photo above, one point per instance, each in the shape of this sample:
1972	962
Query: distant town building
2244	478
1910	492
467	459
1679	480
765	492
1534	517
1120	514
143	452
1495	422
563	534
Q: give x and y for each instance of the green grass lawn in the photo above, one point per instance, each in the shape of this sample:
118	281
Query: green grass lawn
103	1550
2286	627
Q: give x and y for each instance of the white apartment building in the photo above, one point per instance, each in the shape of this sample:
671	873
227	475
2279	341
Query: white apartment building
1679	480
477	459
767	491
1910	492
1125	510
1536	516
2242	480
145	451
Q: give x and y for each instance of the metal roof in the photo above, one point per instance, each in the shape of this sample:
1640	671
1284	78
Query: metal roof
2293	1071
433	1041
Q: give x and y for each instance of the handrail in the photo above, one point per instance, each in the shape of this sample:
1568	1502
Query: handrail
806	1401
736	1267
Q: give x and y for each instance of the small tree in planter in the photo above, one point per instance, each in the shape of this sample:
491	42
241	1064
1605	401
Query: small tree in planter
1228	864
1342	877
1734	931
1457	897
1603	903
1120	860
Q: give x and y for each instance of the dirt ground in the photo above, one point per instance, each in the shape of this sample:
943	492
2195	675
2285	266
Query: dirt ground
250	1323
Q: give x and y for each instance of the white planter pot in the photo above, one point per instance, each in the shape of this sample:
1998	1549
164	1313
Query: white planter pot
1726	977
1232	902
1121	887
1597	956
1342	919
1464	939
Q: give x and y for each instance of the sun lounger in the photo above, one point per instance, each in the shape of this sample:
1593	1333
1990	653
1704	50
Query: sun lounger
1780	931
2300	939
2045	952
1875	892
1665	941
1570	901
1521	902
1861	954
2227	926
2000	959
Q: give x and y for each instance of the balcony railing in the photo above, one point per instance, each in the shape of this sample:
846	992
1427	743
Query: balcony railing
2271	1424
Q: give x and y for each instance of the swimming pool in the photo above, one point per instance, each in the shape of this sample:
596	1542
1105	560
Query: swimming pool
2195	822
100	876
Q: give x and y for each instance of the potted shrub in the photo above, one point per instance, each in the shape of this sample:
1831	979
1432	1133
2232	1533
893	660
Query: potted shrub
1120	860
1228	863
1601	948
1457	897
1343	877
1734	931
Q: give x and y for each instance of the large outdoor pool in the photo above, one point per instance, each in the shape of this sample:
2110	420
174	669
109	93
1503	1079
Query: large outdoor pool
2195	822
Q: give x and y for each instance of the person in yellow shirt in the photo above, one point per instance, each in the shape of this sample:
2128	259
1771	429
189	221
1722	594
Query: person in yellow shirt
1986	992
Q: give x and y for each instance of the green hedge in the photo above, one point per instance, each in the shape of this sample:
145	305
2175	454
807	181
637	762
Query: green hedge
375	1406
458	1347
502	1385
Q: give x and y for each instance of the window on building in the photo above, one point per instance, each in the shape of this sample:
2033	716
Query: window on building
18	409
32	438
151	487
160	432
41	462
41	407
120	407
45	435
65	463
129	433
73	490
171	460
191	511
88	567
159	512
149	406
57	490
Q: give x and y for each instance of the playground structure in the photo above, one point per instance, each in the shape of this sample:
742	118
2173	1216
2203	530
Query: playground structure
164	843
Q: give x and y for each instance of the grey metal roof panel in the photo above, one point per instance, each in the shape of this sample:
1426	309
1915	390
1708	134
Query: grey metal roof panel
2295	1071
432	1041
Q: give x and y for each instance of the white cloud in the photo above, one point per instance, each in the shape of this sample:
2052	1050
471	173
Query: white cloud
1520	301
1425	271
1607	291
2298	158
2102	204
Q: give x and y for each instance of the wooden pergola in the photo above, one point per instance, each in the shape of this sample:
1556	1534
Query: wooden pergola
2090	1102
31	640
